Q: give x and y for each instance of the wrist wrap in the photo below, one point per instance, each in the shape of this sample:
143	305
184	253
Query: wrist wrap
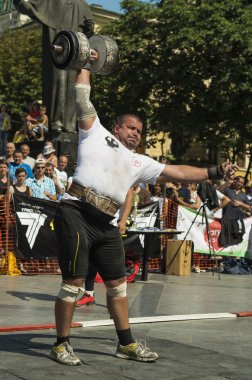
216	172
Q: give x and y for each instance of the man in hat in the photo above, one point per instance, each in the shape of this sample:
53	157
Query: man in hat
107	167
49	155
42	186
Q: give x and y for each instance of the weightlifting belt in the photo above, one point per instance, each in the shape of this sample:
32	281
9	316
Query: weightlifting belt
86	194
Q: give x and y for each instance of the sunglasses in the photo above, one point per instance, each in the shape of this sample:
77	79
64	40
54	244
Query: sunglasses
40	167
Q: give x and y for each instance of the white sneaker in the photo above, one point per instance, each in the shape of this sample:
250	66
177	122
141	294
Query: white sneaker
63	354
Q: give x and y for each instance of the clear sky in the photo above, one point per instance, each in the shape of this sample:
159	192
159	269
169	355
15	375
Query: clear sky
112	5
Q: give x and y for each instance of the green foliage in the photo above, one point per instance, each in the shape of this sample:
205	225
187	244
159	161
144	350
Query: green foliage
186	66
20	68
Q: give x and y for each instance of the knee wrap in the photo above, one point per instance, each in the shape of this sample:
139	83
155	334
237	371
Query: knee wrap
84	108
118	291
69	293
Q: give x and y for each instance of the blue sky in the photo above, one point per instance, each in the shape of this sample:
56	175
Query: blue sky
112	5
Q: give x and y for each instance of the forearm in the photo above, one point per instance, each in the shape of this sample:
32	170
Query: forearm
52	197
85	110
246	207
182	173
127	206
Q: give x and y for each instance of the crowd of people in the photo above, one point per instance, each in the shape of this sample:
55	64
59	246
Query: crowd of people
45	175
34	125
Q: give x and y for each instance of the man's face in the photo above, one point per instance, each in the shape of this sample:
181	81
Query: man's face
49	171
63	161
21	177
3	169
39	170
238	184
18	157
25	150
129	132
10	149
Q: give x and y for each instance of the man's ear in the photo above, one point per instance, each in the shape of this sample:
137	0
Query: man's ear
115	128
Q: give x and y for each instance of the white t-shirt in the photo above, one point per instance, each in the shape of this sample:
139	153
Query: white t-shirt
108	167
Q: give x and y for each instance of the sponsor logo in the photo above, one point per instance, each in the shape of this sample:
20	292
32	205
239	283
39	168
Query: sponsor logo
214	232
136	162
34	221
112	143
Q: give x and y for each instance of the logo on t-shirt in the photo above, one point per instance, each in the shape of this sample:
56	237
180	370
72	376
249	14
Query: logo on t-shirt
111	142
136	162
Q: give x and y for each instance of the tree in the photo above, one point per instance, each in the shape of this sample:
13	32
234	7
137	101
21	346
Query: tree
20	68
186	65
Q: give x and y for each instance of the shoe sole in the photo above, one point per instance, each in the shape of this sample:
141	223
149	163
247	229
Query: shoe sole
123	356
64	363
86	304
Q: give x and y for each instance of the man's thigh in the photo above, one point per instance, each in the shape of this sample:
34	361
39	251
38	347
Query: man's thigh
109	256
73	242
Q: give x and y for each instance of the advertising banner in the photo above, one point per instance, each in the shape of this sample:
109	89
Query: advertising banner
195	229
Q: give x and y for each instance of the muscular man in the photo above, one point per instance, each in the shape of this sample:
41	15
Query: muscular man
55	16
106	169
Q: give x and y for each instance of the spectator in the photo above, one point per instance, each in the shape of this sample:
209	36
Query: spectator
4	180
18	163
163	160
20	187
182	192
22	134
25	149
60	172
9	151
232	225
5	127
248	192
48	154
143	193
49	172
194	200
42	187
38	123
43	123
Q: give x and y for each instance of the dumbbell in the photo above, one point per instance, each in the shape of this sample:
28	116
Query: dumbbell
71	51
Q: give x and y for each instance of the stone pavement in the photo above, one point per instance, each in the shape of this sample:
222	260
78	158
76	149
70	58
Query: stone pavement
202	349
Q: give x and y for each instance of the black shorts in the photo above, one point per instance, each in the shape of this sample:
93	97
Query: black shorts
82	237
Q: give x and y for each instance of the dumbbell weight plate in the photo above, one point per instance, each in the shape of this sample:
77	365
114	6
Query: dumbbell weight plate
70	50
108	54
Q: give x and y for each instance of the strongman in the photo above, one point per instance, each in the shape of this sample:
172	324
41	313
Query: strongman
106	169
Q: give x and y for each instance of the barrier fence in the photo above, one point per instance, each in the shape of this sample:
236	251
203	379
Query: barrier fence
12	262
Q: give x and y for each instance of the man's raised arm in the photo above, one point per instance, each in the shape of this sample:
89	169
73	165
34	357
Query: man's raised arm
85	110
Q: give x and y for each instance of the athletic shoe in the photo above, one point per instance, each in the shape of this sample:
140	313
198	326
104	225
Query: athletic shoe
85	300
136	351
63	354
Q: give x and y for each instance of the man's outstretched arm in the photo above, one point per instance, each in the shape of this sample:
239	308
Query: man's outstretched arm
185	173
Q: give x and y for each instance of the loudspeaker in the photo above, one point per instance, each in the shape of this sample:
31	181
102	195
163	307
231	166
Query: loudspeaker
177	257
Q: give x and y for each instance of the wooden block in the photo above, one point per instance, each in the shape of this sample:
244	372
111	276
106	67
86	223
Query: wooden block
177	257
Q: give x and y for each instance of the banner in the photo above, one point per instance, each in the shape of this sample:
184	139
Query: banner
187	221
35	231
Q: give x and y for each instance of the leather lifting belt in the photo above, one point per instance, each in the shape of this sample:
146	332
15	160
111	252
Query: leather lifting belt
86	194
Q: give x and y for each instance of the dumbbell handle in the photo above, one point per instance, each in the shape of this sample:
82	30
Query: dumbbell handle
57	49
